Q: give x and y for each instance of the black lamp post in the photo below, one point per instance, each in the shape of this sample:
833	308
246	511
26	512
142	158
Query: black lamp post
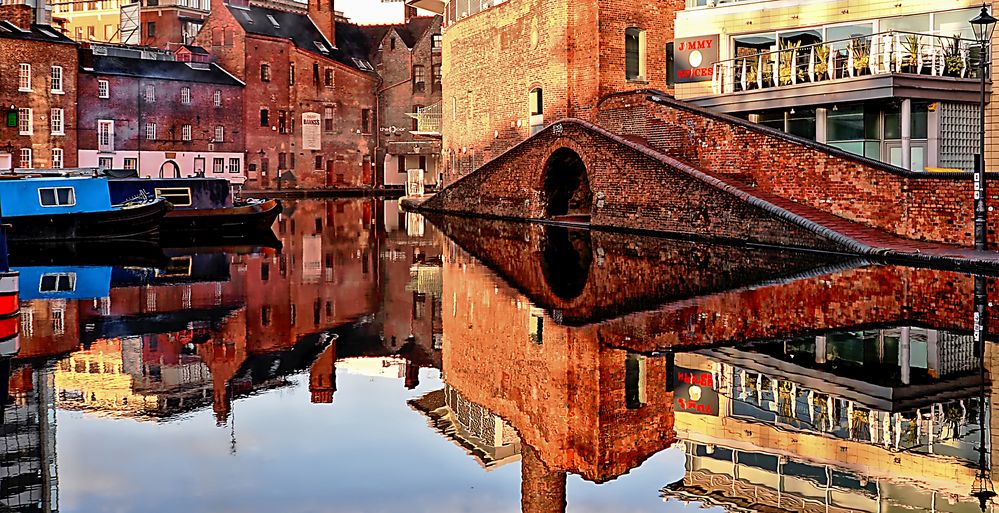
983	25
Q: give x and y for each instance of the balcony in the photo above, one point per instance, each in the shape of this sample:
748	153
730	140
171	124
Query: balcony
428	121
883	65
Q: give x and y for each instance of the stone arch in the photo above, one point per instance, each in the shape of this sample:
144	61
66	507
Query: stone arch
566	186
169	169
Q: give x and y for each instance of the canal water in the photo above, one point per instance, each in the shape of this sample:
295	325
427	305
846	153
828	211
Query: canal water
380	361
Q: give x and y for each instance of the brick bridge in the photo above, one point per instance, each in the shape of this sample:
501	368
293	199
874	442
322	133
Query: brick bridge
655	164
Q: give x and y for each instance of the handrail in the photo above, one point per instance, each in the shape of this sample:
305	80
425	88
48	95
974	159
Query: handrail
893	51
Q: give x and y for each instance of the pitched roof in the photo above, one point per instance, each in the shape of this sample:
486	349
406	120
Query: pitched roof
196	50
410	33
163	70
299	29
46	33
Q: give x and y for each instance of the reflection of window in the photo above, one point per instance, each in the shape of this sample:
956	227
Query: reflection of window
178	196
57	282
57	196
634	381
177	266
537	326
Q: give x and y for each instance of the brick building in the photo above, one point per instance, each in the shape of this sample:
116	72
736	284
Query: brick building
38	68
407	57
511	68
158	23
146	110
308	108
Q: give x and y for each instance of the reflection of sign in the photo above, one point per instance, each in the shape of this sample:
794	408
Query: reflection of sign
312	138
694	391
694	58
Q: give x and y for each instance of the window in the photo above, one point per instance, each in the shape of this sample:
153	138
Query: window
436	77
328	119
57	282
58	126
365	121
185	95
131	163
436	42
315	74
149	94
319	162
273	21
26	158
234	166
151	131
291	73
322	48
416	122
670	65
151	29
218	166
103	89
24	78
634	54
185	133
105	162
178	196
265	72
109	31
282	160
220	134
57	79
57	161
90	33
328	81
265	117
419	79
536	99
217	98
24	124
282	122
401	163
392	43
105	135
57	196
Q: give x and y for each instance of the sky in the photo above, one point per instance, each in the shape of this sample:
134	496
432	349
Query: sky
371	11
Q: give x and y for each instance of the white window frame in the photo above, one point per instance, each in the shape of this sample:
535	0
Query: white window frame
24	78
72	191
185	132
57	121
219	134
105	127
131	163
218	165
25	157
150	131
218	98
235	166
105	162
58	161
185	95
25	121
57	80
103	89
149	94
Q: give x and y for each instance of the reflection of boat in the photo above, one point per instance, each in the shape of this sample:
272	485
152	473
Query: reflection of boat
250	242
116	252
65	282
74	208
200	204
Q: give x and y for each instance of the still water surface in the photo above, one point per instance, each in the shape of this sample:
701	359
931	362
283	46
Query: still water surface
383	362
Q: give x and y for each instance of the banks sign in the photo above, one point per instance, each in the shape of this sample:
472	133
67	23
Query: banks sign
312	133
694	58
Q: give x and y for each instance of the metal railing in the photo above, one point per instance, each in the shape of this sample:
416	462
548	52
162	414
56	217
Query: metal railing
876	54
428	119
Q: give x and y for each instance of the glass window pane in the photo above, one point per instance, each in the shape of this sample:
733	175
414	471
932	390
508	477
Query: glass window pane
846	124
802	123
954	23
48	283
65	196
919	127
918	23
754	43
918	158
47	196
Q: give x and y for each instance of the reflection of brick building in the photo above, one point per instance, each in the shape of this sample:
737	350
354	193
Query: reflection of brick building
28	443
308	109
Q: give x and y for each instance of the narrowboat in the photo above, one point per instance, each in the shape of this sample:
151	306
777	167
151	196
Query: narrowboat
61	208
201	205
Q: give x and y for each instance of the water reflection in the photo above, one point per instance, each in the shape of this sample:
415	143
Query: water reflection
482	364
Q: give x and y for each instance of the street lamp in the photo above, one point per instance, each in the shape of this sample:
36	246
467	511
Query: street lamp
983	25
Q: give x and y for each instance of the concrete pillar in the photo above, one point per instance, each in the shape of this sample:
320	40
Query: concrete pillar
933	353
933	136
541	490
821	122
904	355
907	133
820	350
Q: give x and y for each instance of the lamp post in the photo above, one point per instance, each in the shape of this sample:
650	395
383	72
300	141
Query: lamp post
983	25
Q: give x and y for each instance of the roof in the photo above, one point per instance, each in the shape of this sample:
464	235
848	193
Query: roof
299	29
196	50
164	70
45	33
410	33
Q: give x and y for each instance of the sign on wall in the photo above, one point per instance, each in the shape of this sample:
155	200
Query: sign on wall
694	391
312	131
694	58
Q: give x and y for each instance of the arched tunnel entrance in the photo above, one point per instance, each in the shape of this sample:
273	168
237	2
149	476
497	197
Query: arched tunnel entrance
565	260
567	187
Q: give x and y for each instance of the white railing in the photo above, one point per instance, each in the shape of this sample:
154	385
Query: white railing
876	54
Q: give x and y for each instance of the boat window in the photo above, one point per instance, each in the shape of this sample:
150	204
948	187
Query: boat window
58	282
179	196
57	196
177	266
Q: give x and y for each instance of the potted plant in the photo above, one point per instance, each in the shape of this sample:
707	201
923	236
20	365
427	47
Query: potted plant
860	50
821	62
913	49
768	70
752	72
953	62
787	62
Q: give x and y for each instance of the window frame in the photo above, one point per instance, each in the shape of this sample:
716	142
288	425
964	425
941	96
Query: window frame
61	158
30	158
150	131
185	133
57	70
185	95
103	89
217	98
24	77
166	192
219	134
640	74
53	117
25	121
55	194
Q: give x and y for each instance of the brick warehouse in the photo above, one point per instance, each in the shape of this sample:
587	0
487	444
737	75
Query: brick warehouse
309	108
38	68
513	68
147	111
407	57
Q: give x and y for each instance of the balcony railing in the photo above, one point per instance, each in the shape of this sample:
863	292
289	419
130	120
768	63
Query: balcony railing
428	119
876	54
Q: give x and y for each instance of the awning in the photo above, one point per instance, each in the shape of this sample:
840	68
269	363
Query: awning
436	6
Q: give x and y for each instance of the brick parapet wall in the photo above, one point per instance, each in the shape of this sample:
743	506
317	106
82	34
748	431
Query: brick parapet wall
920	206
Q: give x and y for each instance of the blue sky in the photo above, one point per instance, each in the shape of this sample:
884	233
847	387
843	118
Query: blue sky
371	11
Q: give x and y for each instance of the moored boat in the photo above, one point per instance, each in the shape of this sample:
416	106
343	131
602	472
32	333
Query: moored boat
201	205
40	209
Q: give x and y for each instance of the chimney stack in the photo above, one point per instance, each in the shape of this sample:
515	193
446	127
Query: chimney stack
323	14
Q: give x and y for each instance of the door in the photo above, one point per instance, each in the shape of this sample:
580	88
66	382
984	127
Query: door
199	166
330	172
265	167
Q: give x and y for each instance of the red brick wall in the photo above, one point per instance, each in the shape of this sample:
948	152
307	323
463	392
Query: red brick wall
917	206
640	192
41	56
169	27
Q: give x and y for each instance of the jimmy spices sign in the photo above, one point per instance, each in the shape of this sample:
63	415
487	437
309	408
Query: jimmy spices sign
694	391
694	58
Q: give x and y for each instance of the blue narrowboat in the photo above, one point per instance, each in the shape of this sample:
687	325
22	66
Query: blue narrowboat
199	204
45	208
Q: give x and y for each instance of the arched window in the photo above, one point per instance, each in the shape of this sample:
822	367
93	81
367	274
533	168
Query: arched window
536	99
634	54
